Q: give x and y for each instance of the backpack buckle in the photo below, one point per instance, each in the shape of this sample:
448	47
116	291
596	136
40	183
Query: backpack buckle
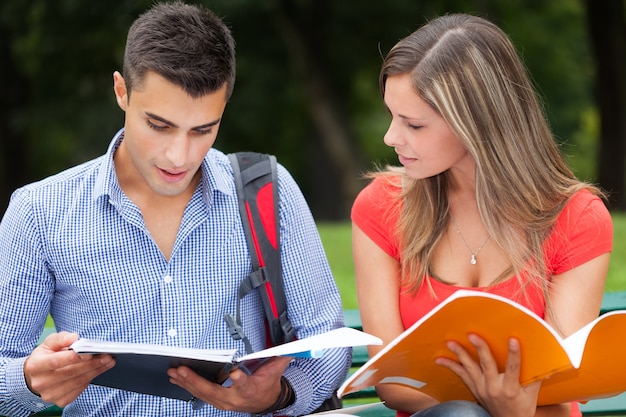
236	331
287	327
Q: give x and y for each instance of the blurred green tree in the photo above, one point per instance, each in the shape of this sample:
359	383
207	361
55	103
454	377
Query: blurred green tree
307	82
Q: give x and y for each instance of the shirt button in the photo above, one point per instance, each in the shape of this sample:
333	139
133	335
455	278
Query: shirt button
39	405
171	332
167	279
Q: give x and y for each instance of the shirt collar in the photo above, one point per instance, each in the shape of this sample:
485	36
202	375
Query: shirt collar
216	173
106	182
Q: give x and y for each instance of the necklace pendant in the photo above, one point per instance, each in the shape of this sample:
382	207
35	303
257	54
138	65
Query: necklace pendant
473	260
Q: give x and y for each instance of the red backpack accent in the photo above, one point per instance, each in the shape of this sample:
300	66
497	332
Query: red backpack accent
257	193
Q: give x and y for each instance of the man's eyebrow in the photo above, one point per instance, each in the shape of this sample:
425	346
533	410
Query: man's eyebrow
207	125
172	124
160	119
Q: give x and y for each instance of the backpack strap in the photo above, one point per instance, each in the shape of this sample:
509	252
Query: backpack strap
257	194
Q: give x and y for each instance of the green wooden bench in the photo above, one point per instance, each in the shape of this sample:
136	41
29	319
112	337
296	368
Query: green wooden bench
612	406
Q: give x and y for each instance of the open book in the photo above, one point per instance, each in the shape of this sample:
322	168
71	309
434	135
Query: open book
143	367
588	364
352	411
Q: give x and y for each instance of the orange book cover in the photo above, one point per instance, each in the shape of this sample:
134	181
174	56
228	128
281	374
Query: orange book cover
588	364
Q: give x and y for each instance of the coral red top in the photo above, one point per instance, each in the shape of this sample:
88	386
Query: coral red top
582	232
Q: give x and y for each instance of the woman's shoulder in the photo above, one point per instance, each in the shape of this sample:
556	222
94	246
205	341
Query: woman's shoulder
583	231
381	188
584	205
376	209
379	195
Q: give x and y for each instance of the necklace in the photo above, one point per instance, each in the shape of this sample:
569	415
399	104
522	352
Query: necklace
473	260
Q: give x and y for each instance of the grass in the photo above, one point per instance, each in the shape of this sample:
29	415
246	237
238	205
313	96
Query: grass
336	238
616	279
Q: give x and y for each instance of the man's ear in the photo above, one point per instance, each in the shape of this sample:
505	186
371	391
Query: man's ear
119	87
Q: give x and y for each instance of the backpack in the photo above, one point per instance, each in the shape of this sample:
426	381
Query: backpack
257	194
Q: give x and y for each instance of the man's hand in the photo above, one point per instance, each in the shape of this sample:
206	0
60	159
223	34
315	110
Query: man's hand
248	393
59	375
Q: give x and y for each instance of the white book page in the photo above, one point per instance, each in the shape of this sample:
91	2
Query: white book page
314	346
575	343
94	346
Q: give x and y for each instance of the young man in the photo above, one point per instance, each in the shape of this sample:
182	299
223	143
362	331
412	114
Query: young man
145	244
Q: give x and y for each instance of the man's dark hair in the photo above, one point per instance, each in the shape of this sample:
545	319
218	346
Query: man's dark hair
186	44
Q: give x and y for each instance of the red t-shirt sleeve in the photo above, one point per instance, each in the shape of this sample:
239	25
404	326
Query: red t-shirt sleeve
375	211
583	231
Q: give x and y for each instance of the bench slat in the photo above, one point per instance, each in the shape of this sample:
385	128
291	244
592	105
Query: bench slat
605	406
612	301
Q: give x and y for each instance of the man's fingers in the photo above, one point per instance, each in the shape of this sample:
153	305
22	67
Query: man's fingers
71	382
40	362
249	393
57	373
59	341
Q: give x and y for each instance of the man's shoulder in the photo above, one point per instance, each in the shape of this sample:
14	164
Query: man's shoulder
62	183
66	177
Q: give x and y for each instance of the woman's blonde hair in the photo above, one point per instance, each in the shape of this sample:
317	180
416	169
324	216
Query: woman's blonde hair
468	71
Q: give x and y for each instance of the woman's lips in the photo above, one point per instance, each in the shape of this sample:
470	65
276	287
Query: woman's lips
404	160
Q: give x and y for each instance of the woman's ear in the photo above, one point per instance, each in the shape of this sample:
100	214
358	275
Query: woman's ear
119	87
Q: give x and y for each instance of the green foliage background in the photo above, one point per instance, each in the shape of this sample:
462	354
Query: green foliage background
60	56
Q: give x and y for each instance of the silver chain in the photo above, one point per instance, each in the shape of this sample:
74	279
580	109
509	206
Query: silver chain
473	260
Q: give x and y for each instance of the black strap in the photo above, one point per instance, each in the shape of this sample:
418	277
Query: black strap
254	172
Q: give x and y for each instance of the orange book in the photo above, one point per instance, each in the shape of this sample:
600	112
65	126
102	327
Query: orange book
588	364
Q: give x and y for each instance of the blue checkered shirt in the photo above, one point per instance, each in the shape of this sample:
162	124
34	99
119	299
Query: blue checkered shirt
74	246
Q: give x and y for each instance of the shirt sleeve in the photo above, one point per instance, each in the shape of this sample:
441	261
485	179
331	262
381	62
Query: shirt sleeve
583	231
23	283
375	211
313	301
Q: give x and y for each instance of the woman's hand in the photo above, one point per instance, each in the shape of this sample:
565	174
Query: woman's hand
500	393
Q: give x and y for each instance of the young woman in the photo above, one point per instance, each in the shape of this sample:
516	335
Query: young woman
484	201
